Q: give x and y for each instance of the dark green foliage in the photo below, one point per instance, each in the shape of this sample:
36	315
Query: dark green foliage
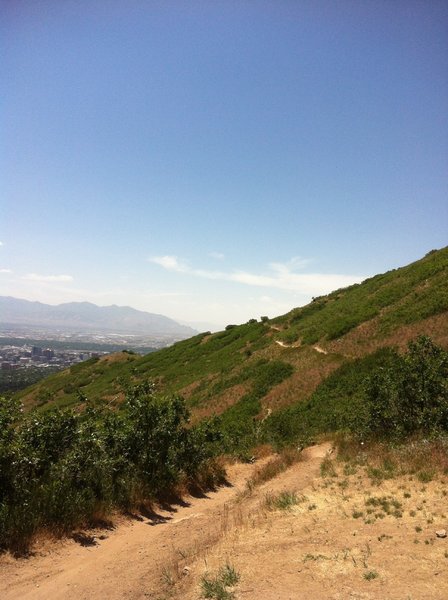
290	336
14	380
338	403
204	355
199	358
60	468
393	299
95	376
385	395
238	424
411	395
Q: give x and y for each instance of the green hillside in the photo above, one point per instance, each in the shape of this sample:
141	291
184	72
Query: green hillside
329	368
398	297
272	363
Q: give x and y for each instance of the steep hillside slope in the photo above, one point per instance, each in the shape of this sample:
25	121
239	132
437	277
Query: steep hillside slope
394	300
273	363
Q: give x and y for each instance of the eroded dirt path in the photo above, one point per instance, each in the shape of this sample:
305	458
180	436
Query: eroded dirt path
134	558
320	350
340	540
129	562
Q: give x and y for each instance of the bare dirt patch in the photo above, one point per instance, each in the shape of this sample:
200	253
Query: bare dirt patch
135	560
339	537
144	556
322	529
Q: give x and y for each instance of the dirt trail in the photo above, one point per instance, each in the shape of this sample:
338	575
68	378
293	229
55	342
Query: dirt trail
331	544
132	561
320	350
285	345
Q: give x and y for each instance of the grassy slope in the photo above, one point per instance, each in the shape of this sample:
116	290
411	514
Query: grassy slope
397	298
216	371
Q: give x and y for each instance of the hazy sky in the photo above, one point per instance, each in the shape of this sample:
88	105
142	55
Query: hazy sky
218	160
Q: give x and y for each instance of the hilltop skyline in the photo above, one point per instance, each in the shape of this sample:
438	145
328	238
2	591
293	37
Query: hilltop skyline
219	161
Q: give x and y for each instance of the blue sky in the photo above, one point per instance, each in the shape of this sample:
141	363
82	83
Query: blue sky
216	161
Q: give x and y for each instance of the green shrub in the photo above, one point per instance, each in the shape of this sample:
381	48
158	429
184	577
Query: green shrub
239	426
401	296
411	395
59	469
383	395
216	587
338	403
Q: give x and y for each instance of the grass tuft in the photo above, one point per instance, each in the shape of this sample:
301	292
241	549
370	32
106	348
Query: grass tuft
286	458
215	588
369	575
283	501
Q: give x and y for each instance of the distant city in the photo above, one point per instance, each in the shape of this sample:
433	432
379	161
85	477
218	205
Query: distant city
14	357
25	361
38	339
30	354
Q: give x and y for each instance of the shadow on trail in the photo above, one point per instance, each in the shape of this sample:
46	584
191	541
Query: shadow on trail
197	491
84	539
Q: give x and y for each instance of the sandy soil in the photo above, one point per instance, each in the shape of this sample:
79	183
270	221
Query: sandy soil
130	561
334	543
137	559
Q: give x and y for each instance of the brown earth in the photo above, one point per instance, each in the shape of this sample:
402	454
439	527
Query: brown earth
336	544
331	544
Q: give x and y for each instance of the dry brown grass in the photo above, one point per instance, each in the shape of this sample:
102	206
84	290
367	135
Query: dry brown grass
266	472
423	458
221	402
244	513
118	357
311	369
365	339
335	537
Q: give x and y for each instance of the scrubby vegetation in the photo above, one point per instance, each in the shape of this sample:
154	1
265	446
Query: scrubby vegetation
202	359
61	469
205	367
283	501
14	380
217	587
238	423
399	297
384	395
119	443
419	456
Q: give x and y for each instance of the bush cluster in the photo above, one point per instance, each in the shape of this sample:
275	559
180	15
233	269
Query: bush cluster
410	396
60	469
385	395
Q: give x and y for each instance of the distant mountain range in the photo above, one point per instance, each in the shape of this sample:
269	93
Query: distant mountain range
87	317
